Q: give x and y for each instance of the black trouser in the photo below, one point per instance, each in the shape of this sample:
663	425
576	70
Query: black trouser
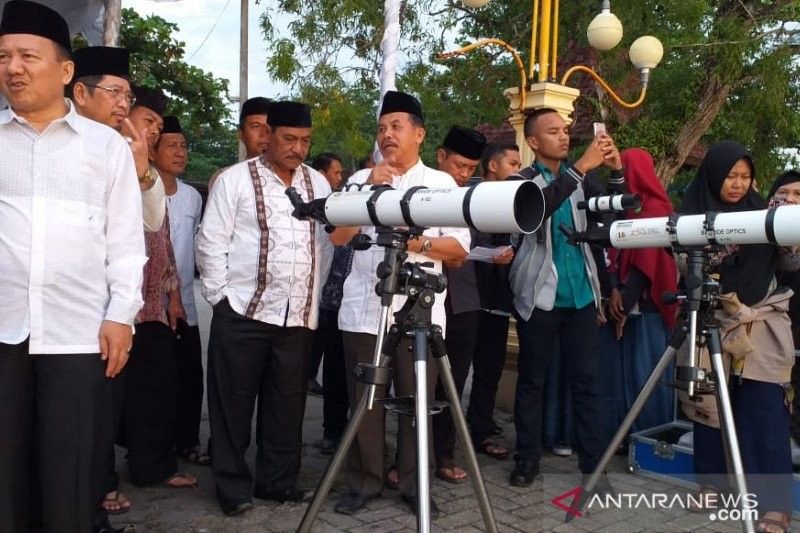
249	359
487	369
190	388
365	469
117	394
577	334
55	429
461	338
149	404
334	381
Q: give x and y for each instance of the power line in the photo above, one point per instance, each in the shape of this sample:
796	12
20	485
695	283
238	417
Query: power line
212	29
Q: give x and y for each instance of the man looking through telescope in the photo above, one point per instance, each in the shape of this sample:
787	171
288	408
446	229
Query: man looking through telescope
401	131
557	292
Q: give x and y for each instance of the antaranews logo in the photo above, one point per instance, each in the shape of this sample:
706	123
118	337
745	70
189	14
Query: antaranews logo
721	507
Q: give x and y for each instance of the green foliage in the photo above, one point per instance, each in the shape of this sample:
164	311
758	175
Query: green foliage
745	45
196	97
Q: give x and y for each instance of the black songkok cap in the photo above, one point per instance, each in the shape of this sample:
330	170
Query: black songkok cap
254	106
152	99
466	142
288	114
397	102
101	61
20	16
172	125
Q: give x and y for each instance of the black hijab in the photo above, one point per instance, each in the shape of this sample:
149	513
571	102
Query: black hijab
750	270
790	176
790	279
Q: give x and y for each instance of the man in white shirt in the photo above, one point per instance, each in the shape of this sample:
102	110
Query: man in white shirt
262	270
101	91
401	131
184	206
72	252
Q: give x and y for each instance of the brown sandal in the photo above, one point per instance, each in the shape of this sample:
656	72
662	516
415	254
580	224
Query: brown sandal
393	478
493	450
179	480
765	523
448	474
117	504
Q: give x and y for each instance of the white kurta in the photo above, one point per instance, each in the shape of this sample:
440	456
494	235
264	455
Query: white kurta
71	241
249	249
360	310
185	208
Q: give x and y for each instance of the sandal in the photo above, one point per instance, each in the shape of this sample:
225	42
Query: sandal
117	504
772	525
450	474
492	449
195	456
179	480
393	478
701	495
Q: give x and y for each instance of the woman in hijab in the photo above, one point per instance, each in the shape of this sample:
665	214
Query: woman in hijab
756	343
641	321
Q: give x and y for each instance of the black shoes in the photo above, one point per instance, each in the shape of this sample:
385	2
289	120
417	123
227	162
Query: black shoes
237	508
283	495
353	502
524	472
328	445
411	502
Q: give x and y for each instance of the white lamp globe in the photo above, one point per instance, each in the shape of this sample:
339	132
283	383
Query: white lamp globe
646	52
605	31
475	3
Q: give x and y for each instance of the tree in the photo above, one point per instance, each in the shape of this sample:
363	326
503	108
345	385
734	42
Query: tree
730	68
196	97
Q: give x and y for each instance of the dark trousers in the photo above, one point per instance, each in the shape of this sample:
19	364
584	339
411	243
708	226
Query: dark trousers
117	394
575	331
249	359
55	415
365	472
487	369
762	428
190	387
335	402
149	404
461	337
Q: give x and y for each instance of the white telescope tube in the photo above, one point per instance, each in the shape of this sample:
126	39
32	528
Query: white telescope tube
777	226
489	207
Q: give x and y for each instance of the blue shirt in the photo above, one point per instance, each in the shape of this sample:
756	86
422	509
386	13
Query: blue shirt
574	289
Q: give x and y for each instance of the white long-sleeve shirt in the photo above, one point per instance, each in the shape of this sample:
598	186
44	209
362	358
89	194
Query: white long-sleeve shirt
71	240
269	265
185	208
361	306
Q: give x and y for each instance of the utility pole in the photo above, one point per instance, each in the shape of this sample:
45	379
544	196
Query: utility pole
243	55
111	22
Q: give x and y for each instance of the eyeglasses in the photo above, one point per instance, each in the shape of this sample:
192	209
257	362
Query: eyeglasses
117	92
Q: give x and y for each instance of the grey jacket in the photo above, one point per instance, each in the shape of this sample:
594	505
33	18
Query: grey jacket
533	276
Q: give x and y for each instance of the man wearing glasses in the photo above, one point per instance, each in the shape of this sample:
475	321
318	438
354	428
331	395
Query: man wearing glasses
101	91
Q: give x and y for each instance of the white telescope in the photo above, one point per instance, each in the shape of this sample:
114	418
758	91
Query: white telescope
777	226
489	207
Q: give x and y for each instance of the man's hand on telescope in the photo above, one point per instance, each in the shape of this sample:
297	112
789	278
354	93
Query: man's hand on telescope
383	174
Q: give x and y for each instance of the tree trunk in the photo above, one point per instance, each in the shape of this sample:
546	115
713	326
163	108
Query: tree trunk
714	95
111	22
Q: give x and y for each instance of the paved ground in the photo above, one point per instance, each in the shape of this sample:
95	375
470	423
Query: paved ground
516	509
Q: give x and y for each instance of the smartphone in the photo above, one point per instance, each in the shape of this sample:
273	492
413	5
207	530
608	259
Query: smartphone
599	128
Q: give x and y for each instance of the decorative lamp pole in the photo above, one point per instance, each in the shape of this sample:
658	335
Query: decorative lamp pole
538	87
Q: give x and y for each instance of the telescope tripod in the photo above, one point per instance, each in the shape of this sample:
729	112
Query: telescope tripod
413	322
700	299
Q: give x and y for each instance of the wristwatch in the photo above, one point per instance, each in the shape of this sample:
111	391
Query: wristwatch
148	178
427	244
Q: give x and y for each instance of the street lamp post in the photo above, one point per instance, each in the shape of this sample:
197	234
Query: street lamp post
539	87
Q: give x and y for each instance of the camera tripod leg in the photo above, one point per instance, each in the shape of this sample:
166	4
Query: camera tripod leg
338	458
421	421
730	440
675	342
446	375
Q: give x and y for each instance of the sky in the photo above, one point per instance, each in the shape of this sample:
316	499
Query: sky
220	53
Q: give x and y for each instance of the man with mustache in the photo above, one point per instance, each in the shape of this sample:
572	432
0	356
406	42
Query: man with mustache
72	251
401	131
262	270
